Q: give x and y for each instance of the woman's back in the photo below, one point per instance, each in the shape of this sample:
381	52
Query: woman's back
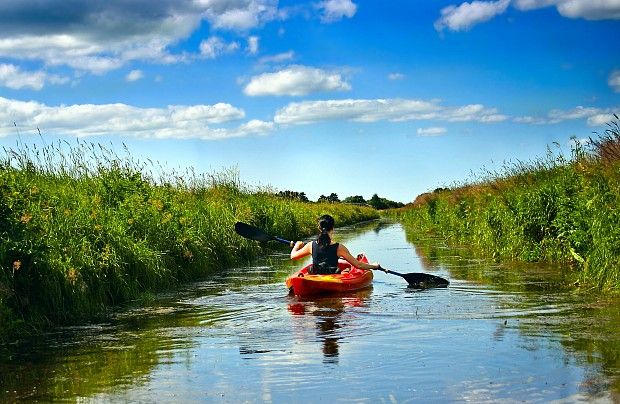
324	258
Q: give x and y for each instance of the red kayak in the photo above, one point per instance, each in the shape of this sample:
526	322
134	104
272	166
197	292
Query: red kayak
349	279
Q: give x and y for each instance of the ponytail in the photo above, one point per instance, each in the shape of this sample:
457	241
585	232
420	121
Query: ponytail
326	224
324	239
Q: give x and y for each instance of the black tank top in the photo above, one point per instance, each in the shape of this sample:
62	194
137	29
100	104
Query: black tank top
324	259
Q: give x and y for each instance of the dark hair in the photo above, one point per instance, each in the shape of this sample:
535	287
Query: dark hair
326	224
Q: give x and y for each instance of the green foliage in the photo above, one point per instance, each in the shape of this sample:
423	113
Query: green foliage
552	209
382	203
298	196
332	198
82	229
355	199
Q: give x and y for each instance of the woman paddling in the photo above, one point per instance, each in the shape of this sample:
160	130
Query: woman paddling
325	252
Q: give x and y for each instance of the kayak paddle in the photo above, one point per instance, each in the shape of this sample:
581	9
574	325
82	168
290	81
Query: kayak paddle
256	234
415	279
420	280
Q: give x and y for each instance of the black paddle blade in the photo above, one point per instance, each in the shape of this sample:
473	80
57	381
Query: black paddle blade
422	281
251	232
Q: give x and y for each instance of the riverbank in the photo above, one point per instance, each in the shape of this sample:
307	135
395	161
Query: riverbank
554	209
83	230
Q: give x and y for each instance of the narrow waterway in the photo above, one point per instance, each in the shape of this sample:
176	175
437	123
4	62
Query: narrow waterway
497	333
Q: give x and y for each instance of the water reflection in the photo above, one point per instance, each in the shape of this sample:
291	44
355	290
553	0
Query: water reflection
498	333
541	301
327	313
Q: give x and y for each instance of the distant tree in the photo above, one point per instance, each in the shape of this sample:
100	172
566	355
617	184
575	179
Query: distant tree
333	197
382	203
322	198
354	199
376	202
298	196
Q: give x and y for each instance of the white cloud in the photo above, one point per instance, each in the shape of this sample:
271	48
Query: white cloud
98	36
252	48
396	76
587	9
593	116
336	10
602	119
214	46
13	77
614	80
175	121
279	58
295	81
590	9
239	15
432	131
395	110
134	75
533	4
465	16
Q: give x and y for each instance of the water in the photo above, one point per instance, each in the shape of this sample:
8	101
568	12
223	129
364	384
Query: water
498	333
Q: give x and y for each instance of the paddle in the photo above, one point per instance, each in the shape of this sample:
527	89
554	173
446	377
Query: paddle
256	234
420	280
415	279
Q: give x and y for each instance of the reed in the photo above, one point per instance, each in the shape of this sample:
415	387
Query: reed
556	208
83	229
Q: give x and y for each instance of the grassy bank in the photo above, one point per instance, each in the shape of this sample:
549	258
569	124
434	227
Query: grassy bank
554	209
82	229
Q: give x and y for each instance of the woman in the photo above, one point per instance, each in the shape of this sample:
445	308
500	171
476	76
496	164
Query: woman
325	252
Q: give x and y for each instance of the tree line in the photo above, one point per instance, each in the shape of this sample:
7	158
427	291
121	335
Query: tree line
375	201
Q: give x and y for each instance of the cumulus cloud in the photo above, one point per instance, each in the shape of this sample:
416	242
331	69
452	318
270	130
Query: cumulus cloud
239	15
13	77
295	81
101	35
215	46
614	80
336	10
593	116
134	75
395	110
587	9
463	17
432	131
174	121
590	9
466	15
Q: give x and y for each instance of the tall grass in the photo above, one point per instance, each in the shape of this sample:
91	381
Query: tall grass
562	209
83	229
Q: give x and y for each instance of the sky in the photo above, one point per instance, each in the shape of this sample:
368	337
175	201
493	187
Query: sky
354	97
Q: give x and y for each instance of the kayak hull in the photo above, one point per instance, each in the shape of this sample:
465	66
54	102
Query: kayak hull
349	279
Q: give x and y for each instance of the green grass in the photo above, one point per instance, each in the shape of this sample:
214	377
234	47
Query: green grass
554	209
82	230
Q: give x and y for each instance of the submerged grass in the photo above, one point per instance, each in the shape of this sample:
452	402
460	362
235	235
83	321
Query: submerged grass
83	229
554	209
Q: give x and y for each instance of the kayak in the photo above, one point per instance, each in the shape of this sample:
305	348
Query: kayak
350	278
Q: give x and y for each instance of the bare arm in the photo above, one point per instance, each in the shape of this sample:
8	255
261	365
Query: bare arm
344	253
301	250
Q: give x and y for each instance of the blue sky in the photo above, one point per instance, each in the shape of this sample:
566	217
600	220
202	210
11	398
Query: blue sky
353	97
